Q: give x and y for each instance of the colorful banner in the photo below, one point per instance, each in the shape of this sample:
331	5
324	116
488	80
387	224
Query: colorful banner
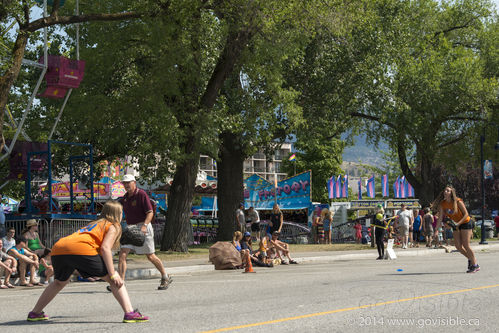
330	187
370	188
402	191
409	190
117	190
61	190
384	186
337	188
292	193
396	185
344	188
360	189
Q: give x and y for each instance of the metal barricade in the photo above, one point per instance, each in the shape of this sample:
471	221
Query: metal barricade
291	232
61	228
50	231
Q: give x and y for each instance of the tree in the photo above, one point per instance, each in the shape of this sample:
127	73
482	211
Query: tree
20	13
430	86
329	77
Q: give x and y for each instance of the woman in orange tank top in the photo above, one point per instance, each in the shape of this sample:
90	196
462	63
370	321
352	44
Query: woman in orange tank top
449	205
89	250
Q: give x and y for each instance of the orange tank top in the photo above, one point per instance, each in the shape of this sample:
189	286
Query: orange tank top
84	242
448	208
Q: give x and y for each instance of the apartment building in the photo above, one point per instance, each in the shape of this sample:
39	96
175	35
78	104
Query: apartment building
266	167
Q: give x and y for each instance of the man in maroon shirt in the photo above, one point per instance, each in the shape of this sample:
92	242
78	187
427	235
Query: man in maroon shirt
496	221
139	211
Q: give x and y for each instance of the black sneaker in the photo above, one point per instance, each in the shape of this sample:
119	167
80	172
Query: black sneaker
473	269
165	283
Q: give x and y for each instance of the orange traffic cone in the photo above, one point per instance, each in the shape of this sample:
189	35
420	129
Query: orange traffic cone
249	266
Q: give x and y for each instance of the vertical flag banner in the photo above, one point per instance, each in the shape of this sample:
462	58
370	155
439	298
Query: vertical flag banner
344	188
337	193
384	186
292	157
410	190
330	188
396	188
360	188
402	192
370	187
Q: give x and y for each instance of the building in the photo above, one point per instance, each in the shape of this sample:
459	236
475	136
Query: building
266	167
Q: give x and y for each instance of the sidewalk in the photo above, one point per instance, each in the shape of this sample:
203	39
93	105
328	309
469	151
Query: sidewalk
143	269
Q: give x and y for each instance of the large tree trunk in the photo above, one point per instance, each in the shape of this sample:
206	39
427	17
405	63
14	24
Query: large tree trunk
230	184
175	235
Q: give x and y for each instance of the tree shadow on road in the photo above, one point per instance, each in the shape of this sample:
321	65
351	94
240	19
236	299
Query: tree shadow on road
51	322
429	273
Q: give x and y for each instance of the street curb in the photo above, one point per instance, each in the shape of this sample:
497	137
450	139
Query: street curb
151	273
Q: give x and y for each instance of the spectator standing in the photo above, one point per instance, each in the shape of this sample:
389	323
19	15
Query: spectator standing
240	219
255	223
404	221
496	221
379	232
139	211
315	225
358	232
9	240
428	226
276	220
327	222
417	228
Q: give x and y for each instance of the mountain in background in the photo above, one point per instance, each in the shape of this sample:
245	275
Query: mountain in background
364	153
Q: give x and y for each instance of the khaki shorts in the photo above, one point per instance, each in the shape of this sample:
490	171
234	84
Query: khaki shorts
148	247
404	230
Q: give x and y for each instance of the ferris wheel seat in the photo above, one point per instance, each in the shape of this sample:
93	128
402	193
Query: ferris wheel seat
54	92
63	72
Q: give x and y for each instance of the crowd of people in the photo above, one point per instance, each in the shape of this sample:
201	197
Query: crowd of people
270	251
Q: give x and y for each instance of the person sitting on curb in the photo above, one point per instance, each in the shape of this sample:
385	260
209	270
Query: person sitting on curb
246	245
9	240
26	260
9	265
280	249
34	243
236	241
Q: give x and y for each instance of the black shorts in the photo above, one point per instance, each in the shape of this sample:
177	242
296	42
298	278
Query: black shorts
255	227
465	226
87	266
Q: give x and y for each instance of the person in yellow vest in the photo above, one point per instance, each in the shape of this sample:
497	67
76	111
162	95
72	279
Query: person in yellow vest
89	250
449	205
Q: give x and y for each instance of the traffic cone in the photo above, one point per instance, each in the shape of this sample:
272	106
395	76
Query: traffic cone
249	266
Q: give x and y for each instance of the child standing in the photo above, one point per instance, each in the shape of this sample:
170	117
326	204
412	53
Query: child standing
358	232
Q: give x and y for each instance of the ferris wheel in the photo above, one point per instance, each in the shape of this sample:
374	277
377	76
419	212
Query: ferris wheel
61	75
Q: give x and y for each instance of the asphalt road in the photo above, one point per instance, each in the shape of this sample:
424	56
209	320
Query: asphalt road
411	294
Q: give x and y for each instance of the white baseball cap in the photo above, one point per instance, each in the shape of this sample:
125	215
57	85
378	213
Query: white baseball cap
128	178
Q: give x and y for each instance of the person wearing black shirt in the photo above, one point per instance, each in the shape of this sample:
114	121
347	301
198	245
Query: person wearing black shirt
275	220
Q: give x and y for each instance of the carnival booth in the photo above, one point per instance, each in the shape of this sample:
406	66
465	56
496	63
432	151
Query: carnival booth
293	195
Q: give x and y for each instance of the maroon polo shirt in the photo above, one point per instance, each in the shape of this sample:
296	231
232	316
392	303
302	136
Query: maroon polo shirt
136	206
